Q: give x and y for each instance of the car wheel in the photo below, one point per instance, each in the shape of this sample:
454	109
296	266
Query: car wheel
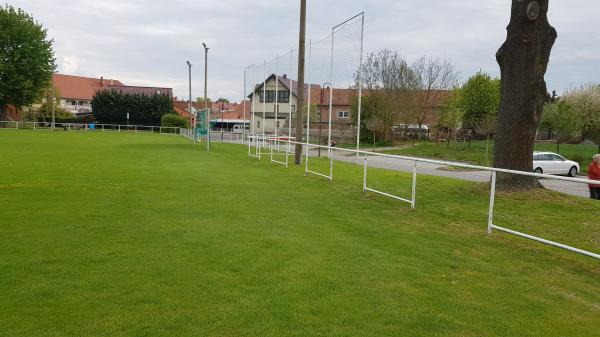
573	171
538	170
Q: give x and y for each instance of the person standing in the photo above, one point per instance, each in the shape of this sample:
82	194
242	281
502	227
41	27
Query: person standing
594	174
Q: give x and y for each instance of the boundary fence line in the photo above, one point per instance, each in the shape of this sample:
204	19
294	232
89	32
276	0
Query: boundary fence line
48	126
493	183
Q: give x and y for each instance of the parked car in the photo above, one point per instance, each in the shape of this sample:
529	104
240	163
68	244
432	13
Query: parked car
552	163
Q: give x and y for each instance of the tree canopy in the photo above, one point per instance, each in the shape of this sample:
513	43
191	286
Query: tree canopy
478	98
26	58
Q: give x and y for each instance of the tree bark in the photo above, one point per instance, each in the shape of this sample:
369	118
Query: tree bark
523	60
300	98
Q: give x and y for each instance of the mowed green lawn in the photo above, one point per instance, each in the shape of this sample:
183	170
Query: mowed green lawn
146	235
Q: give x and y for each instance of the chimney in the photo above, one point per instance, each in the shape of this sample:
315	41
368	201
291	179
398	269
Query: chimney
101	81
284	76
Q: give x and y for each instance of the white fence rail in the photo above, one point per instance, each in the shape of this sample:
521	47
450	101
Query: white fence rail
493	182
4	125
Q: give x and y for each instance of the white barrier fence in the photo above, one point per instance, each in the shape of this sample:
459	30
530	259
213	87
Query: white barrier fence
262	141
86	127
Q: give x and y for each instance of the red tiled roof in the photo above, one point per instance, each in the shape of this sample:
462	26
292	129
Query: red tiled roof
77	87
132	90
181	108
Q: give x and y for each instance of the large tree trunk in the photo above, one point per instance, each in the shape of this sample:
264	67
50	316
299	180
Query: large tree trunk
523	60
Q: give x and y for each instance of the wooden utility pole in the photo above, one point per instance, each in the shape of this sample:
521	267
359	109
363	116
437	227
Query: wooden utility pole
300	96
523	61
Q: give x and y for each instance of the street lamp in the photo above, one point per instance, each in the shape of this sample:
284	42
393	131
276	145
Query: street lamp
244	102
206	92
190	88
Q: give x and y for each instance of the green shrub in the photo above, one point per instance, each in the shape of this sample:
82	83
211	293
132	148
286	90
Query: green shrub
173	120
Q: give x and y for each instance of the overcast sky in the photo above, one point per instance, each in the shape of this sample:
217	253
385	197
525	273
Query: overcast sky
147	42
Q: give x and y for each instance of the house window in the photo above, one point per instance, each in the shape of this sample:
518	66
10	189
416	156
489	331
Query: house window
293	108
158	92
277	123
269	95
258	124
343	114
284	96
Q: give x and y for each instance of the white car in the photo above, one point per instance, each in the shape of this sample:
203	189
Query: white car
552	163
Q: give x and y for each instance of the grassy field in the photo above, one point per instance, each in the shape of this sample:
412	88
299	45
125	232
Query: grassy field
476	154
148	235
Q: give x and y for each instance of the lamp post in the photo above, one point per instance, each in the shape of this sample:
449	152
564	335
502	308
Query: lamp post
190	92
222	122
206	93
244	102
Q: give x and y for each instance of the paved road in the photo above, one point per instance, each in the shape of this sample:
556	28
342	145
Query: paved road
576	189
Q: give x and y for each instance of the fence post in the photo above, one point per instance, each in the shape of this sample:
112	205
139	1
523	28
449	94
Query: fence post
492	197
365	175
414	186
330	163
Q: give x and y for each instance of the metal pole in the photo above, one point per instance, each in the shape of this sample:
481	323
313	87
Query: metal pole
222	134
365	175
289	145
252	118
52	98
331	109
206	95
492	196
244	102
360	84
190	94
277	99
308	105
264	98
414	186
300	97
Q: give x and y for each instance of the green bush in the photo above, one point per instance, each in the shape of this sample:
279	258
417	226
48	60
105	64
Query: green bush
113	106
173	120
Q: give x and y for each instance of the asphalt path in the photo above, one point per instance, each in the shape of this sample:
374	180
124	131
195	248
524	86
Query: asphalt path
567	187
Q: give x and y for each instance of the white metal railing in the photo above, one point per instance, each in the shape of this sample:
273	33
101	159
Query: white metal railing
493	181
86	127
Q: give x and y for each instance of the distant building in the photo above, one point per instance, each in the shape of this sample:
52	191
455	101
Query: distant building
267	103
9	113
77	92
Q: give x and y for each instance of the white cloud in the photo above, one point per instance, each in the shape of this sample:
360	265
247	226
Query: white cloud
148	42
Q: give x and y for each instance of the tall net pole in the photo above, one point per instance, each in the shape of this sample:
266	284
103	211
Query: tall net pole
360	85
308	115
264	98
330	107
290	107
277	99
